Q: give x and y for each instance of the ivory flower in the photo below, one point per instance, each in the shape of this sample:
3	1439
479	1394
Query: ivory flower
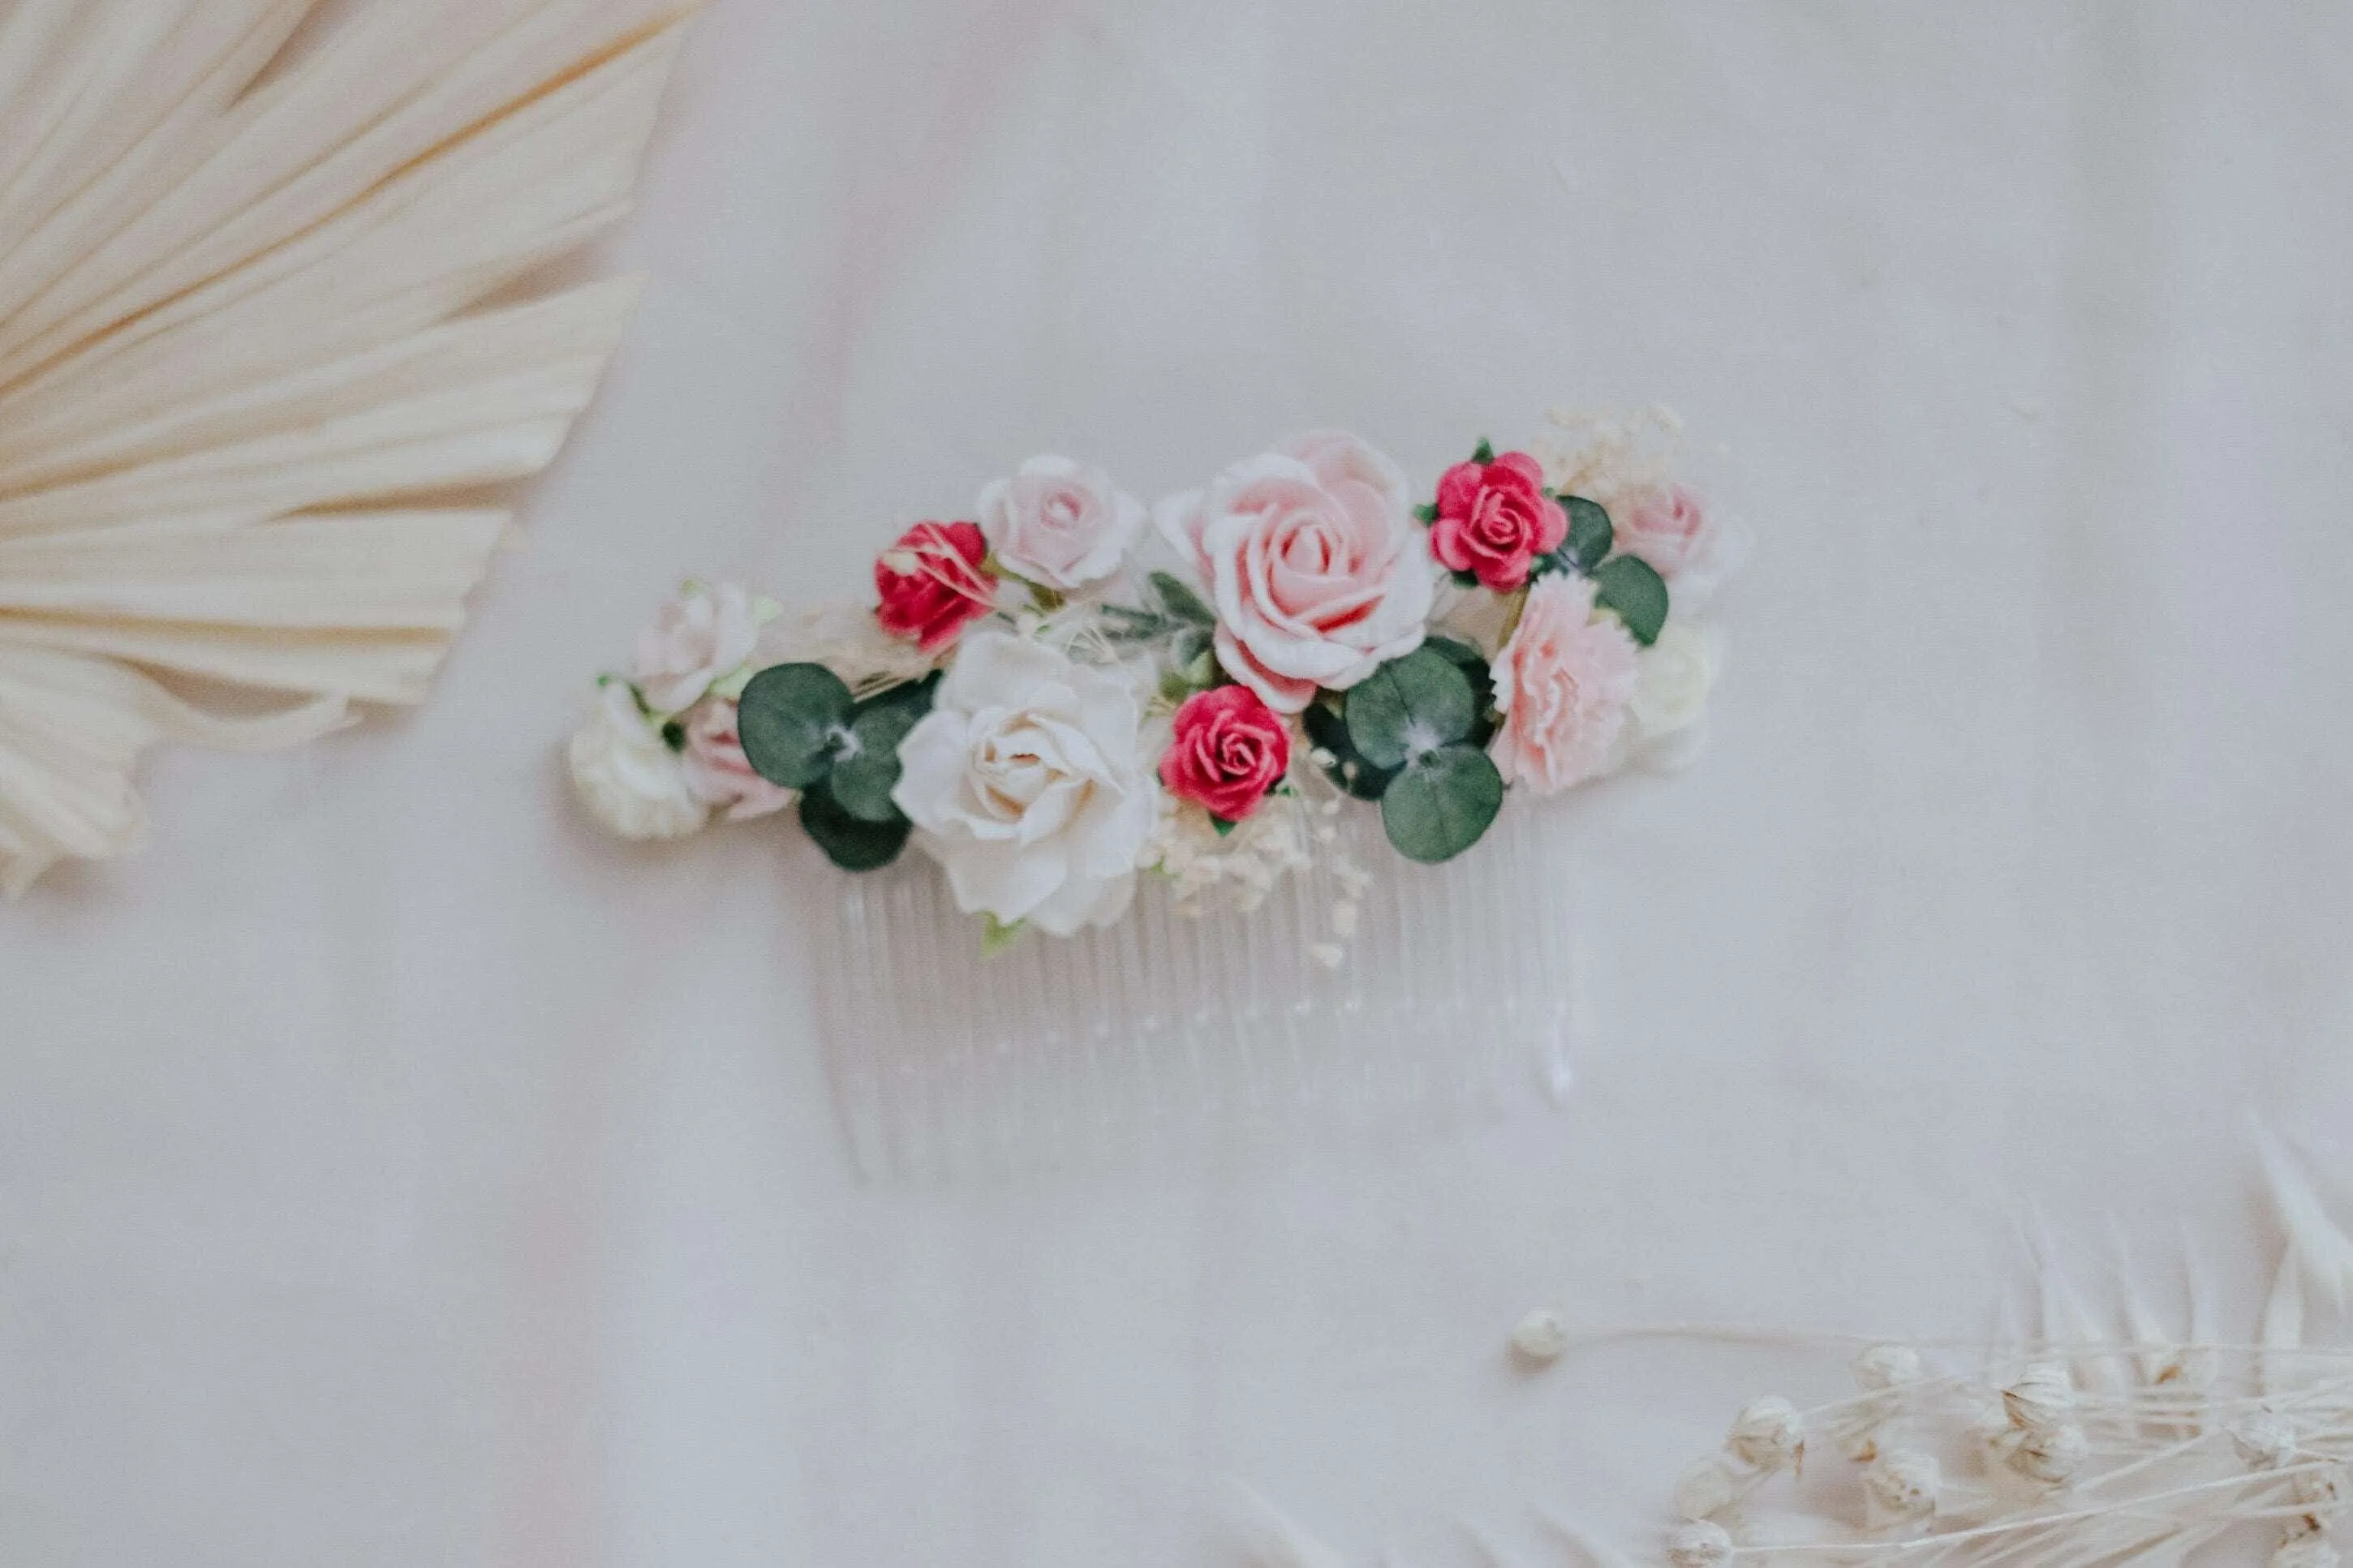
1672	679
1315	566
1028	783
1059	523
704	634
628	777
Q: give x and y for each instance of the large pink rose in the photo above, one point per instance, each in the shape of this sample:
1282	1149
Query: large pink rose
1315	565
1667	525
1562	682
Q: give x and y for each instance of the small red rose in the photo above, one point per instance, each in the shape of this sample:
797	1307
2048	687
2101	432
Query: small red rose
1229	749
1495	519
932	583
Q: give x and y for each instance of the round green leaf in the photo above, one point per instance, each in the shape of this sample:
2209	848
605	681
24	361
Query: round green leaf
1628	586
1589	532
791	716
1473	666
1350	771
1439	805
1410	706
849	843
866	770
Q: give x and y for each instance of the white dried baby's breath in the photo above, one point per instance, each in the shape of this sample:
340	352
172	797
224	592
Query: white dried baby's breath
2088	1449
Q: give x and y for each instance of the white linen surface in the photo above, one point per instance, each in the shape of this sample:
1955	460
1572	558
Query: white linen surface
392	1173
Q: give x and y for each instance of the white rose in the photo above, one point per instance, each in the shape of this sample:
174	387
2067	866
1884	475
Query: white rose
1029	784
627	775
704	634
1672	679
1059	523
1314	562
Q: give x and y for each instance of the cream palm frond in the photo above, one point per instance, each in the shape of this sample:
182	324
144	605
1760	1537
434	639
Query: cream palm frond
246	341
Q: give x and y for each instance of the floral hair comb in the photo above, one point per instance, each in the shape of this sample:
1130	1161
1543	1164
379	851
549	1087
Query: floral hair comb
1071	690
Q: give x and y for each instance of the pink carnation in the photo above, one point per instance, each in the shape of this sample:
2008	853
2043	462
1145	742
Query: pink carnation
1562	682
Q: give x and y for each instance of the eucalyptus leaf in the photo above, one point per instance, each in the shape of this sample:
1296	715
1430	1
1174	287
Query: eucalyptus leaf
867	769
1475	668
849	843
791	719
1327	729
1628	586
1589	532
1410	706
1440	804
1181	602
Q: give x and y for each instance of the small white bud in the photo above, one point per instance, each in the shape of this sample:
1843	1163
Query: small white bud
1883	1367
1768	1434
1698	1544
1900	1488
1541	1336
1707	1488
2047	1456
2043	1395
2265	1440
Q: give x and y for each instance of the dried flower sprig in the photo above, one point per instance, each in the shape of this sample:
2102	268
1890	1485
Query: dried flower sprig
2070	1448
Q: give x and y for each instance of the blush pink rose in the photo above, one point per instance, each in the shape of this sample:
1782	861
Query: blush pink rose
1315	565
1667	525
1562	683
932	583
703	635
1228	749
1495	519
1059	523
717	772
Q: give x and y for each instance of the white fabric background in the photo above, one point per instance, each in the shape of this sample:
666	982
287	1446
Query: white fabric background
393	1173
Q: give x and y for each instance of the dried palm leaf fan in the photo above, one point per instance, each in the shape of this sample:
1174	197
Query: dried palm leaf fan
246	355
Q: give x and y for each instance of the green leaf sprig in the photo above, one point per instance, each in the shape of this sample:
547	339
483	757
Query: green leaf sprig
1414	734
802	729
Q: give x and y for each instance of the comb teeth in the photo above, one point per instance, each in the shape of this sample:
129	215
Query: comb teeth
1168	1031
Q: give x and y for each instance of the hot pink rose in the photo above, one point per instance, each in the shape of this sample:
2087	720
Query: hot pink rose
932	583
1562	682
717	772
1228	748
1315	566
1495	519
1667	525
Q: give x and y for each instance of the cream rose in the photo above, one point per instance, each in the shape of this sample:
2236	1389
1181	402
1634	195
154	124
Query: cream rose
628	777
1313	562
703	636
1673	680
1059	523
1028	782
1562	684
